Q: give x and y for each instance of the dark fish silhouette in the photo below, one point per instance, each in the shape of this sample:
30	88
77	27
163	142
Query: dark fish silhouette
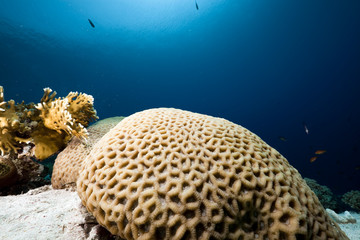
196	5
284	139
91	23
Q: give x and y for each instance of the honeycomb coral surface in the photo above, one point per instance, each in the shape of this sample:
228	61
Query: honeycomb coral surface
68	162
173	174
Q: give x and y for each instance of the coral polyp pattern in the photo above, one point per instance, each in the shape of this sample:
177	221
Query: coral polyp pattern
173	174
68	162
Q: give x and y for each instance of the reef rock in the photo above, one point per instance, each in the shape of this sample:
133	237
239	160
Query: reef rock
45	213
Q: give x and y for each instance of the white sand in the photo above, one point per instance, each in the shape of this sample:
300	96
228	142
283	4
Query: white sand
352	230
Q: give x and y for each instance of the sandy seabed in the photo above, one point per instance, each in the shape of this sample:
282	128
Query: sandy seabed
352	230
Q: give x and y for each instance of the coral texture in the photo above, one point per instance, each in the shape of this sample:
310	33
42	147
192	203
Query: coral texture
8	173
352	198
46	127
30	175
68	162
173	174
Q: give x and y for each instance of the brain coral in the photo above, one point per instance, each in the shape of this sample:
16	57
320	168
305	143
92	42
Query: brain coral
68	162
173	174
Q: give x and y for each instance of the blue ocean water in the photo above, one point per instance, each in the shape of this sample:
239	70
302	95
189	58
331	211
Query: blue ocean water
270	66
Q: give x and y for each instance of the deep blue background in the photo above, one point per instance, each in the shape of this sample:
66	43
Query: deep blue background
266	65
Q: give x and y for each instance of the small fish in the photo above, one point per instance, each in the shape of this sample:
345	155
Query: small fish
357	167
196	5
306	129
318	152
284	139
91	23
313	159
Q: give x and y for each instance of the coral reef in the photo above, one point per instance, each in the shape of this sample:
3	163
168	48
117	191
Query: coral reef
173	174
47	126
8	173
68	162
352	198
30	175
37	131
326	197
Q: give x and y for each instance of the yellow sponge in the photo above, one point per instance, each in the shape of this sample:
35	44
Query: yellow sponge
173	174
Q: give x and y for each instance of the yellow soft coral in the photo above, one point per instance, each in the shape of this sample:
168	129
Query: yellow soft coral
47	97
71	114
7	142
8	121
47	126
81	107
56	116
47	142
82	110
